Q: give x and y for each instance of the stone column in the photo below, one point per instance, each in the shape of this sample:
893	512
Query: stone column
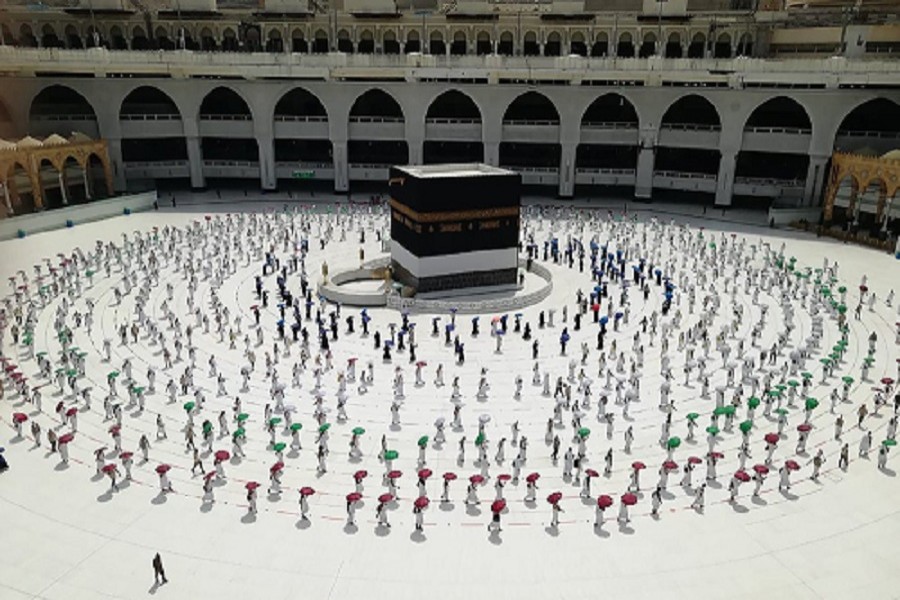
118	167
567	170
265	141
194	152
341	165
62	186
815	179
86	180
643	181
491	153
725	179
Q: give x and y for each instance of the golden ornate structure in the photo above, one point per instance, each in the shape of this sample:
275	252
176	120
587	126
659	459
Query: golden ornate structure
25	164
863	172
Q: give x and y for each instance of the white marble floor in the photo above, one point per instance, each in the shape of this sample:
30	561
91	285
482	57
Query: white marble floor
66	536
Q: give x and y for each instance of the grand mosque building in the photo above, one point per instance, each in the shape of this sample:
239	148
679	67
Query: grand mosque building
734	102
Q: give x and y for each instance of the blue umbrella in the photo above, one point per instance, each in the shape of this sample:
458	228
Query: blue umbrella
618	316
518	315
453	310
280	323
604	320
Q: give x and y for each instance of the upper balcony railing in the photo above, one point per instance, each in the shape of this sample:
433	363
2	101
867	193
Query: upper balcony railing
574	69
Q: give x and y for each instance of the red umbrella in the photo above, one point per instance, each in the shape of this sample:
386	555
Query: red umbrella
360	475
66	438
385	498
792	465
716	455
421	502
761	469
554	498
395	474
771	438
72	411
476	479
670	465
251	485
695	460
498	506
126	455
504	477
115	429
162	469
307	491
209	475
742	476
276	467
108	468
864	288
448	476
354	497
532	477
804	427
604	501
629	499
424	473
887	381
19	417
421	363
222	455
638	465
591	473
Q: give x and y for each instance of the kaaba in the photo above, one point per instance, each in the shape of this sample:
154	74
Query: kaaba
454	226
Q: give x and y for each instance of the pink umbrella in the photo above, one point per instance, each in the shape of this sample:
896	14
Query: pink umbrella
771	438
276	467
498	506
162	469
695	460
804	427
591	473
761	469
638	465
19	417
360	475
222	455
307	491
354	497
385	498
448	476
887	381
554	498
126	455
115	429
476	479
864	288
421	363
629	499
72	411
108	468
670	465
716	455
742	476
532	477
604	501
792	465
252	485
66	438
424	473
395	474
421	502
209	475
504	477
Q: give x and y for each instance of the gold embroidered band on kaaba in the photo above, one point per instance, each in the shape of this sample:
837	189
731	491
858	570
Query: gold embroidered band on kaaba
460	215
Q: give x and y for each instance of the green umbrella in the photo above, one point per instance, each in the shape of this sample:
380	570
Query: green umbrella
720	410
239	432
584	432
72	373
889	442
869	360
729	410
189	406
774	394
112	374
746	426
781	411
842	308
391	455
207	427
847	379
825	361
842	289
296	426
811	403
274	421
358	431
838	348
781	387
793	383
243	417
673	443
480	439
712	430
693	416
41	354
323	427
423	441
279	447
